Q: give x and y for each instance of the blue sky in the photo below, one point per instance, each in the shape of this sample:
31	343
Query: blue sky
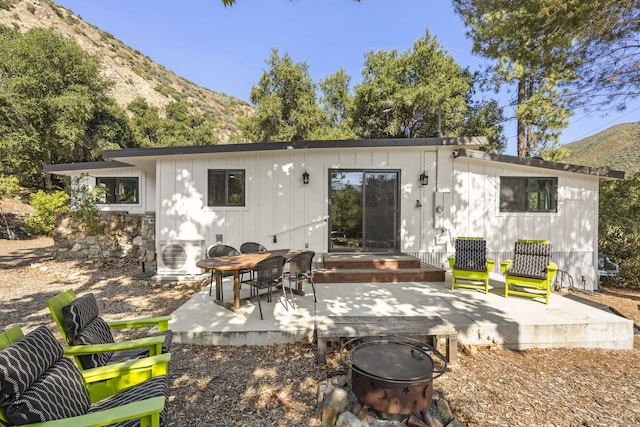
224	49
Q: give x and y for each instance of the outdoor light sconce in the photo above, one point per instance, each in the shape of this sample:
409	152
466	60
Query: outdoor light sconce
424	178
305	177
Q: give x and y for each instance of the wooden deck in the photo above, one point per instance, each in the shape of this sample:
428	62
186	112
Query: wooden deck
375	268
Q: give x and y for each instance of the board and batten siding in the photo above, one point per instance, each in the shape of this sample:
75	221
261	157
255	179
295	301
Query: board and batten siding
572	230
277	203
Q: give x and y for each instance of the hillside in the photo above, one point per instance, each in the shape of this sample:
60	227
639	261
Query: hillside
617	148
134	74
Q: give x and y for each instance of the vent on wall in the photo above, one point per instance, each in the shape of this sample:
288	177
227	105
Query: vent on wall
179	257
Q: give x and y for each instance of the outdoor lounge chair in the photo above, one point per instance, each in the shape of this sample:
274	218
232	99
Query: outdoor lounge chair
607	268
531	271
39	385
470	267
89	336
268	275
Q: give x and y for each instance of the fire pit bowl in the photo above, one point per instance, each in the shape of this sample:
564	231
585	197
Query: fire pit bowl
395	375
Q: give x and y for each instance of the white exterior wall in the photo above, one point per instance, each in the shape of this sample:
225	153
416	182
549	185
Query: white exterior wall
146	183
461	199
278	203
572	230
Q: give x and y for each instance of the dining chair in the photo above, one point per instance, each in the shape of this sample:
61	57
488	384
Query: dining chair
216	251
300	269
268	275
251	248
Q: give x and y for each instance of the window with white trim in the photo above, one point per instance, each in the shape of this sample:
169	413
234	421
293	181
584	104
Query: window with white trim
119	190
225	187
528	194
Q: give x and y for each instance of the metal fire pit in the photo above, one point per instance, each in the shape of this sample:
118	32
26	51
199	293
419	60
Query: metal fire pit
393	376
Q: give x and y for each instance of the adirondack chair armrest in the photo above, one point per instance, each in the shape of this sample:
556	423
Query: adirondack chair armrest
158	365
551	270
490	264
129	411
161	321
154	343
452	261
504	265
108	380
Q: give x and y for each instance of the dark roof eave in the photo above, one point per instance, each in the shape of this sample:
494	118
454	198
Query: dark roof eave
296	145
539	163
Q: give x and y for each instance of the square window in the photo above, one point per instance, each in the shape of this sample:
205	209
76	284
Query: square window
528	194
119	190
225	187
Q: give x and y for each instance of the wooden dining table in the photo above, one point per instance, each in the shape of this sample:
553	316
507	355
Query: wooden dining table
235	264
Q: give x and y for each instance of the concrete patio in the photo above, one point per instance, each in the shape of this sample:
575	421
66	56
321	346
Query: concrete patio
480	319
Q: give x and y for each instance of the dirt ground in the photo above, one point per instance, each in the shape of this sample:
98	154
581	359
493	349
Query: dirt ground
276	385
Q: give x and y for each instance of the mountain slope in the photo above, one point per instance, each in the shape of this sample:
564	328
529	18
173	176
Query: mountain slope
617	148
134	74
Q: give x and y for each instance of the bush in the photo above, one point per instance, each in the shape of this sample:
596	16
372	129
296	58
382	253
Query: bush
9	186
619	226
46	205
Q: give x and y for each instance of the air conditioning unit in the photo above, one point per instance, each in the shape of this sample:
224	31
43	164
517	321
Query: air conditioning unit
179	257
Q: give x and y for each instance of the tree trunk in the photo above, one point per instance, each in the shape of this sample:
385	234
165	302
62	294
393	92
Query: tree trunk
522	142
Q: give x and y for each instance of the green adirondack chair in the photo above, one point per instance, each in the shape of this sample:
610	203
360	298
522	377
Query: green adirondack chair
530	273
78	320
41	387
470	267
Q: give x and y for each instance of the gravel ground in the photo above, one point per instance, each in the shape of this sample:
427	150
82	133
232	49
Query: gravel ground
276	385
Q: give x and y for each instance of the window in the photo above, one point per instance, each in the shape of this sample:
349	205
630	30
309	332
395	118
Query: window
119	190
523	194
226	188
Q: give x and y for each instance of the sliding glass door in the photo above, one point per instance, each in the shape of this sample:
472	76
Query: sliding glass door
364	210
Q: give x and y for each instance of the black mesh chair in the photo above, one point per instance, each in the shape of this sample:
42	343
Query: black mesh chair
251	248
268	275
216	251
300	266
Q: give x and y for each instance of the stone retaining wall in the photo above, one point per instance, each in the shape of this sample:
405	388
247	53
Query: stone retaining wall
127	236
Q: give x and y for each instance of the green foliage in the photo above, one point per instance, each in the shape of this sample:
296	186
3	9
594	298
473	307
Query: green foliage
619	226
486	118
561	54
285	99
617	148
50	90
9	186
46	205
85	200
401	93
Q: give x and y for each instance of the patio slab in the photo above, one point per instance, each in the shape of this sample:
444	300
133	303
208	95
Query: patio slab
480	319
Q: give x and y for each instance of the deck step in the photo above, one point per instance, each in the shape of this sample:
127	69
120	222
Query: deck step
370	261
376	275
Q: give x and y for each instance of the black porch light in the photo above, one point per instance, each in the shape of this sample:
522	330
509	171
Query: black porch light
305	177
424	178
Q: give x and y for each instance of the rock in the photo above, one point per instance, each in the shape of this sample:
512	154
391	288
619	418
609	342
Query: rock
347	419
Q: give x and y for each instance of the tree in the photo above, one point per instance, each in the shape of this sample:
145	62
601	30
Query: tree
528	47
336	103
562	54
402	94
285	100
50	90
619	225
607	35
485	118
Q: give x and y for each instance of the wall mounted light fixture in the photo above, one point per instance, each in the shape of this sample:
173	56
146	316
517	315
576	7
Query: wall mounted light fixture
305	177
424	178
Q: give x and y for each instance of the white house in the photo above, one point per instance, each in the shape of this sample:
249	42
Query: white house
412	196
